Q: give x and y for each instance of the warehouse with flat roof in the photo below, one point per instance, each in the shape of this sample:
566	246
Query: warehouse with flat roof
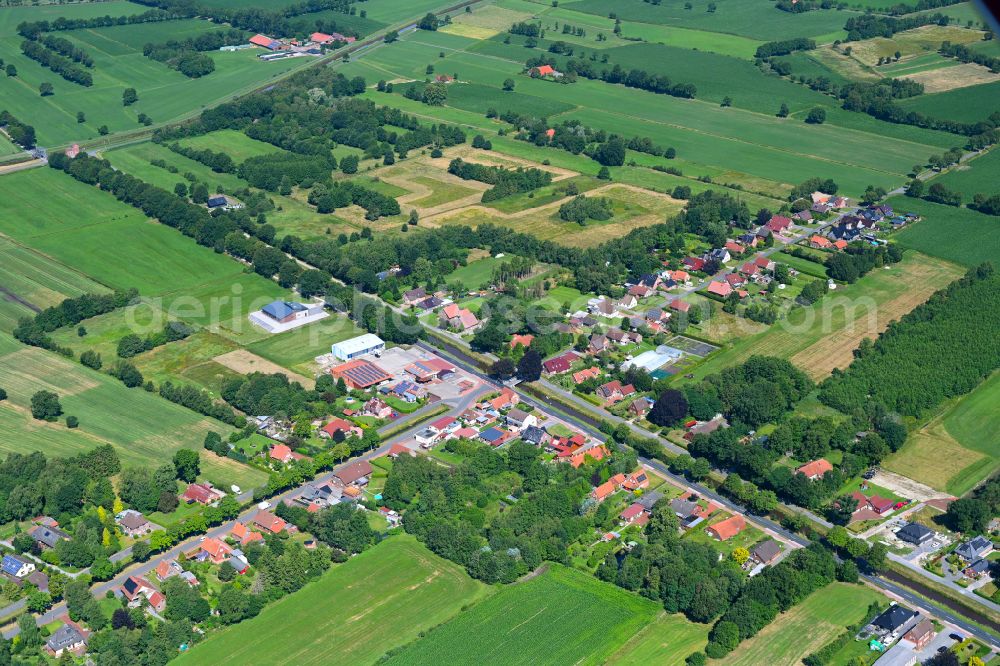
368	343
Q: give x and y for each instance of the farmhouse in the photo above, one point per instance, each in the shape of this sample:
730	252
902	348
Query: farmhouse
815	469
265	42
728	528
458	318
543	71
362	345
202	493
360	374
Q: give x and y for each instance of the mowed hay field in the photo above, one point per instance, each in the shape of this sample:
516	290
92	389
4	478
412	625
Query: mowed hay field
823	336
144	428
959	235
957	448
357	611
562	616
30	281
806	627
980	175
667	640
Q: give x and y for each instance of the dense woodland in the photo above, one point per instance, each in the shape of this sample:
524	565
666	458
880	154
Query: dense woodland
942	349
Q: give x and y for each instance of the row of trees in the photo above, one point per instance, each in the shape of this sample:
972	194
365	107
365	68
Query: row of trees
19	132
942	349
784	47
64	67
963	53
71	311
867	26
68	49
505	182
633	78
217	161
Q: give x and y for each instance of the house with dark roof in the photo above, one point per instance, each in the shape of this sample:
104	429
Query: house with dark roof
766	551
560	364
535	435
915	533
284	311
975	548
70	637
15	567
892	621
357	473
133	523
47	537
412	296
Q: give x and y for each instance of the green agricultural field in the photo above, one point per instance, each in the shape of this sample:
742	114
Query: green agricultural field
87	229
30	281
970	105
10	17
757	19
144	428
978	176
806	627
823	336
164	94
235	144
960	235
479	99
475	274
394	11
344	615
8	148
956	449
667	640
297	348
540	621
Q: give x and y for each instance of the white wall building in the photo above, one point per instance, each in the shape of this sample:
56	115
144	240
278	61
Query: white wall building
359	346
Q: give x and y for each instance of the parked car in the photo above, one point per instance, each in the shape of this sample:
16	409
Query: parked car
236	489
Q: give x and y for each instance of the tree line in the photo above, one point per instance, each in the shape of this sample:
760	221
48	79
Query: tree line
942	349
505	182
64	67
71	311
33	29
633	78
67	48
867	26
784	47
963	53
19	132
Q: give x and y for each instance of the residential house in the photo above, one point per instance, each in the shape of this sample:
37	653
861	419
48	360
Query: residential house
975	549
803	216
977	569
735	280
376	408
608	488
398	449
764	263
496	436
720	255
354	474
429	303
391	517
734	248
70	637
679	306
875	504
544	70
821	197
624	337
749	270
778	224
635	514
920	635
650	280
519	419
535	435
839	245
461	319
649	500
524	340
214	550
268	522
694	263
728	528
596	453
722	289
891	622
640	291
507	398
915	533
202	493
405	390
640	407
444	425
137	588
704	427
413	296
560	364
613	392
820	208
16	567
133	523
637	480
282	453
47	537
584	375
815	469
605	307
598	344
819	242
766	552
339	428
243	535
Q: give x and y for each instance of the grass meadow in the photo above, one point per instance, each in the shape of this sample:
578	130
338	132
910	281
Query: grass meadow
970	105
956	449
959	235
144	428
559	617
979	175
669	639
357	611
296	349
807	627
823	336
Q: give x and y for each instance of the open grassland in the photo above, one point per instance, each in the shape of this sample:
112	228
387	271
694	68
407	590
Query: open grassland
960	235
945	77
540	621
164	94
143	428
296	349
980	175
10	17
236	144
970	105
88	229
957	448
666	640
823	336
30	281
8	148
806	627
757	19
919	41
484	22
344	616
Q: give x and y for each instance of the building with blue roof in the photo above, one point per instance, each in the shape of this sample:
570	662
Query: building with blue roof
284	311
15	567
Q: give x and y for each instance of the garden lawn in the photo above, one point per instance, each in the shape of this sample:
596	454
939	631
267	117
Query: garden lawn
477	273
957	448
87	229
806	627
347	614
666	640
960	235
144	428
562	616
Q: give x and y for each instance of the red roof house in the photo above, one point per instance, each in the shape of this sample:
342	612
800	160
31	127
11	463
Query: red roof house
815	469
545	70
523	340
719	288
778	223
560	364
679	305
728	528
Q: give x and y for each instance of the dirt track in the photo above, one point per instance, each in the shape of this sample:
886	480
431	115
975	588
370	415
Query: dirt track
245	362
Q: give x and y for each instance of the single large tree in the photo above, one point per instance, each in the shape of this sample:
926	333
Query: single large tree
669	408
187	462
45	406
529	368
